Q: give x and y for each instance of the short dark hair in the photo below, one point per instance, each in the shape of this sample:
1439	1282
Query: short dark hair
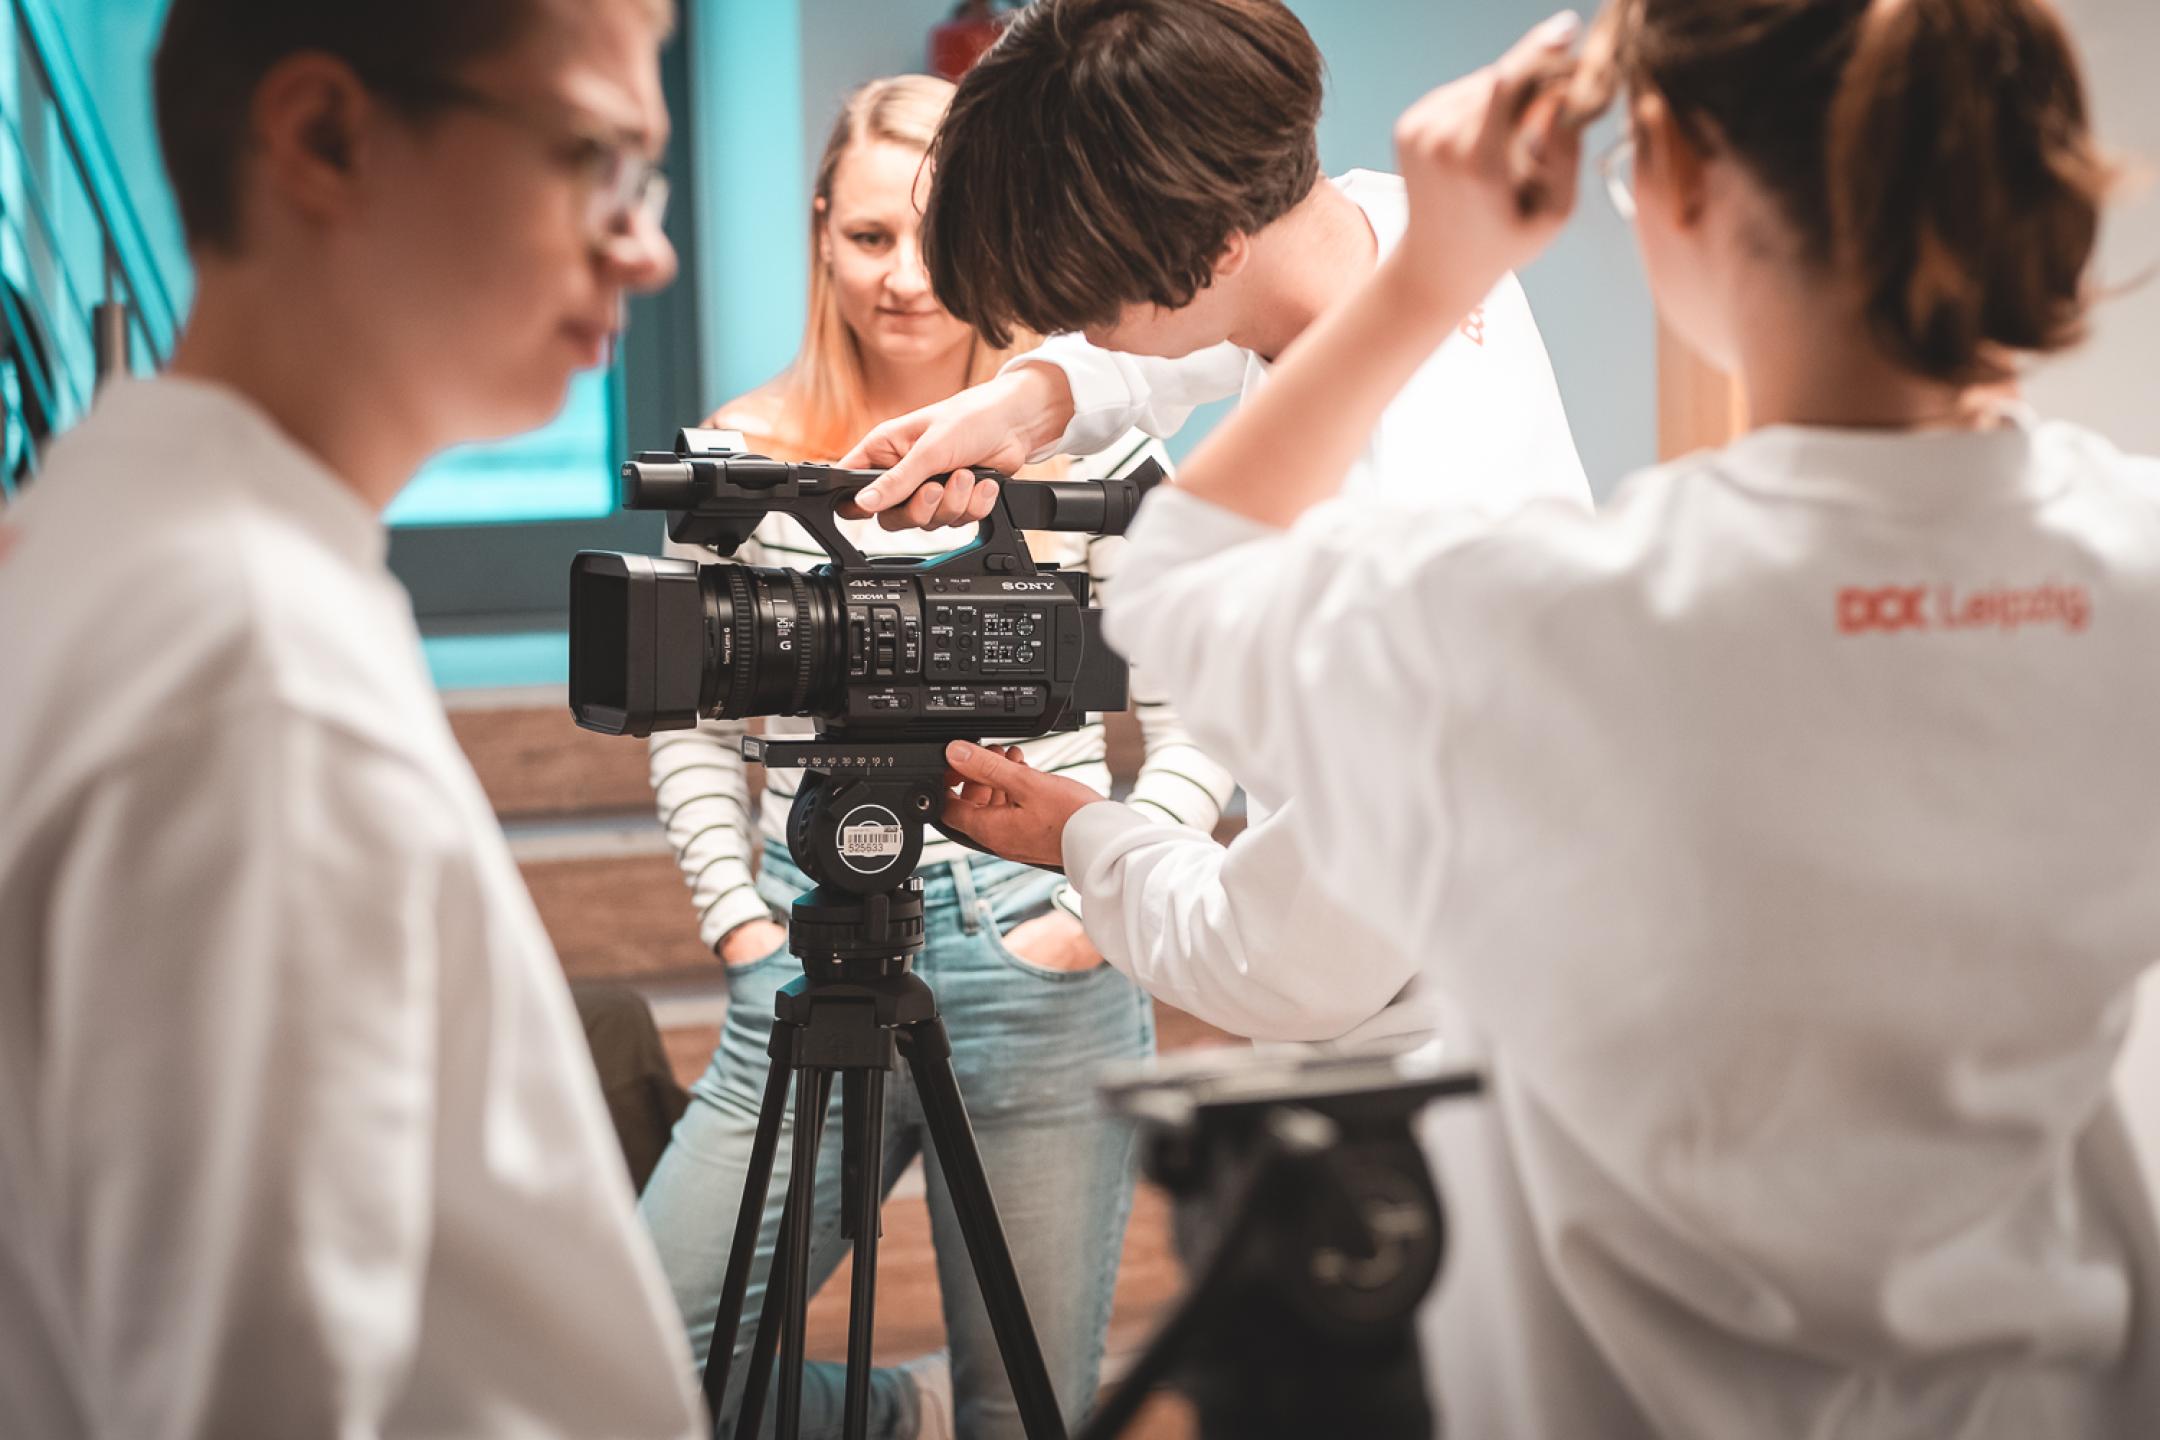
1104	151
213	55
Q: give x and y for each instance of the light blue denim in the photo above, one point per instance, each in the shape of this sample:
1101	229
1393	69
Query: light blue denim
1027	1044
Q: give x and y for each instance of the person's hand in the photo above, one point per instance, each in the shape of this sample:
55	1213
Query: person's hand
997	425
752	940
1491	168
1055	941
1007	808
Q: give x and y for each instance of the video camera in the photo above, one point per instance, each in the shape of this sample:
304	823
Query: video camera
892	656
978	642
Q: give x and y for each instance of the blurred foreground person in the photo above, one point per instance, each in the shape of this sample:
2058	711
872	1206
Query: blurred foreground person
298	1136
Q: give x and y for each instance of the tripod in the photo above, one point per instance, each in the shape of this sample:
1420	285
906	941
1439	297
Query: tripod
857	1009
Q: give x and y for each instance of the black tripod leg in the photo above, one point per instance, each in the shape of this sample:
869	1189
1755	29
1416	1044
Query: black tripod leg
929	1056
784	1304
862	1105
749	1219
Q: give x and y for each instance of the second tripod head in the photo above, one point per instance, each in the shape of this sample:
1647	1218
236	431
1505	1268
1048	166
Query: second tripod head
1298	1177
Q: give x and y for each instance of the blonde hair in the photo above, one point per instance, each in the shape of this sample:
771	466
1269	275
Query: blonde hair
819	404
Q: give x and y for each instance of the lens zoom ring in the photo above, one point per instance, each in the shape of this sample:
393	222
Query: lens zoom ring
742	623
806	641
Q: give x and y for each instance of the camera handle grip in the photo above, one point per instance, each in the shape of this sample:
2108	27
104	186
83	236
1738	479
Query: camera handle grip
997	545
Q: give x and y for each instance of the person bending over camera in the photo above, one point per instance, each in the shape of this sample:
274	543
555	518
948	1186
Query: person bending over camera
1031	1007
1189	273
298	1136
1791	830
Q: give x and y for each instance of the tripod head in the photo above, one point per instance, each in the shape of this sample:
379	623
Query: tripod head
856	829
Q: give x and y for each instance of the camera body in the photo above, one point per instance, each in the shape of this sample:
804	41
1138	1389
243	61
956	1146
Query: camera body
975	643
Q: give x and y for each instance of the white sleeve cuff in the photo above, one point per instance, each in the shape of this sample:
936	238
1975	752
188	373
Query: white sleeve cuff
1092	830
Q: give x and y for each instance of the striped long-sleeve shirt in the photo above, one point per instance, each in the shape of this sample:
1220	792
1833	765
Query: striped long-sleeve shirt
700	780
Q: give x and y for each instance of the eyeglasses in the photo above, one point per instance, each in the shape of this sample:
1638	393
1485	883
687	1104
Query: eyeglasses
1617	167
620	181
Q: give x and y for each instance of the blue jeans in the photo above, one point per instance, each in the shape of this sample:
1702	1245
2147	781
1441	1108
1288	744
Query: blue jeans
1026	1045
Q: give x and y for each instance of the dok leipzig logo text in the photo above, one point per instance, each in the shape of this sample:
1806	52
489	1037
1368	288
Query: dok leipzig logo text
1943	608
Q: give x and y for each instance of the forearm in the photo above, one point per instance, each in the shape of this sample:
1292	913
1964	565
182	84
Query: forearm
1292	445
700	789
1289	651
1040	392
1100	394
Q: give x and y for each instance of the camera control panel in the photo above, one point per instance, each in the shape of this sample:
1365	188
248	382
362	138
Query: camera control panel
957	648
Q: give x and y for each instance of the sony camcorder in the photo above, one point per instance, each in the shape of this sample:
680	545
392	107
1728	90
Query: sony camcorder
979	642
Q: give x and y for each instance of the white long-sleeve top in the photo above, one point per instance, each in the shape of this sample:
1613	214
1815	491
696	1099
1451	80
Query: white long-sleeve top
1241	936
298	1132
700	783
1791	836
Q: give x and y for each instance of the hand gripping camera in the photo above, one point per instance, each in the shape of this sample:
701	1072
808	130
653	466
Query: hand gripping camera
892	656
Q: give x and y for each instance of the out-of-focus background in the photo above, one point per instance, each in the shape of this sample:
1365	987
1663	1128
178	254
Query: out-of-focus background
84	212
91	266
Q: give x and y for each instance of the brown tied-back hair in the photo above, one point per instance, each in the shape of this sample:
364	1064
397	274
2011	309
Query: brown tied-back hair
1938	153
1104	151
213	54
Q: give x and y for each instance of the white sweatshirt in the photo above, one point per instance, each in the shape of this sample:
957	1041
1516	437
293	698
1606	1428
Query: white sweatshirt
298	1133
1241	937
1792	834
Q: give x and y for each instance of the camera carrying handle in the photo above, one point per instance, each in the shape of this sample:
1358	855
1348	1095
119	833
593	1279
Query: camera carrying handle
717	497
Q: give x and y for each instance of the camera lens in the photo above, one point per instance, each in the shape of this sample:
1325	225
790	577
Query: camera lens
776	641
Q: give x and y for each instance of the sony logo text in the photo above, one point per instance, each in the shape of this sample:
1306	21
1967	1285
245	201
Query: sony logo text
1945	608
1031	585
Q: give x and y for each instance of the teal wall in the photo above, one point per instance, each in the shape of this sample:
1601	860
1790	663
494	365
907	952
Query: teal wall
112	41
565	470
752	190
